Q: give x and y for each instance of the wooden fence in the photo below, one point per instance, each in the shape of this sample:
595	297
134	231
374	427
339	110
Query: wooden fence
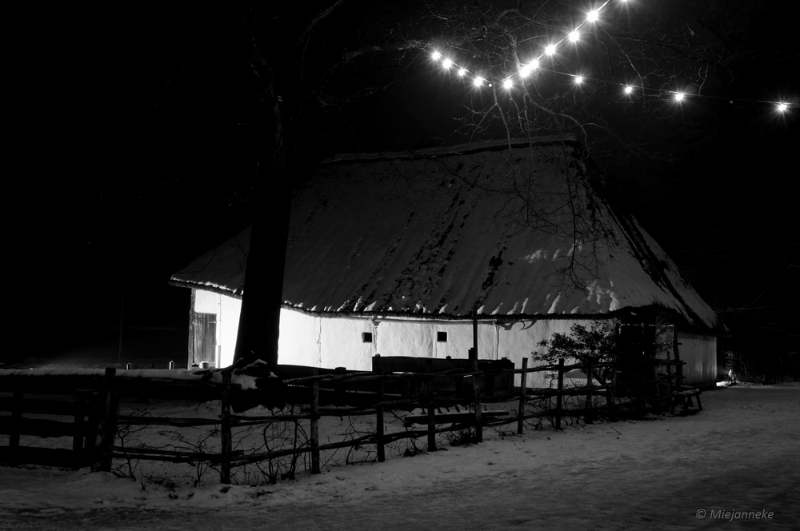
92	406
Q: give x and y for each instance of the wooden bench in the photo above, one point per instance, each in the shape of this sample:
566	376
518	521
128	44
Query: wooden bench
684	398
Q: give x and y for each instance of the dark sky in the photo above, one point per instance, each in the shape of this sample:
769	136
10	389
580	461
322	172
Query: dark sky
134	134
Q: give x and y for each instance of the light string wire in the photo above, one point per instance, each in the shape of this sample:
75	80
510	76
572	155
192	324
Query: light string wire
574	35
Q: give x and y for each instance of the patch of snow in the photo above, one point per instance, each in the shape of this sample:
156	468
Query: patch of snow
553	307
738	454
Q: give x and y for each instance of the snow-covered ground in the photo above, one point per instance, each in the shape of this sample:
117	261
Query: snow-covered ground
741	453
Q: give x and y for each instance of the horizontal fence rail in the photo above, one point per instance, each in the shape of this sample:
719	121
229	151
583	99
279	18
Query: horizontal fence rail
92	407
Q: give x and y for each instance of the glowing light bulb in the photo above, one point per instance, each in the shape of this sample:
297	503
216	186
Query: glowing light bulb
628	89
593	15
578	79
550	49
462	72
679	96
447	63
526	70
782	107
436	56
574	36
478	81
507	84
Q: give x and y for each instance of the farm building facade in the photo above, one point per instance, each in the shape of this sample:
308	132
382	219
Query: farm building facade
388	254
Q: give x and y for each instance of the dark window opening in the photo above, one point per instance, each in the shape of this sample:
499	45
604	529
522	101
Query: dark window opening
366	337
441	337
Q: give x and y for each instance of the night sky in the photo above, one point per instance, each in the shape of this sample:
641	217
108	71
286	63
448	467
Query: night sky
138	129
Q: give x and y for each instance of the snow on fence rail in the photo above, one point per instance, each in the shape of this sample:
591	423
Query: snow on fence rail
94	397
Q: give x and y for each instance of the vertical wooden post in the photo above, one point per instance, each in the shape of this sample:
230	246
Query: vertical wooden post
588	417
225	428
477	391
668	401
338	388
379	421
431	409
678	372
107	427
79	429
473	353
315	425
560	389
612	386
16	419
192	331
91	429
522	388
679	365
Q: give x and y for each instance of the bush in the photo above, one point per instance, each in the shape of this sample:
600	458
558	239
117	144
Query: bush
592	344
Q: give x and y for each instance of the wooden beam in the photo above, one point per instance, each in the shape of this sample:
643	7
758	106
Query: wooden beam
522	388
315	427
225	429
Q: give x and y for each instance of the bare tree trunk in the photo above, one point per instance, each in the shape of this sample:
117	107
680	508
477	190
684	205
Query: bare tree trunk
259	321
270	206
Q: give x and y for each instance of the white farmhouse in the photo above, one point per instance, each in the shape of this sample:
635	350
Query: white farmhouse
388	253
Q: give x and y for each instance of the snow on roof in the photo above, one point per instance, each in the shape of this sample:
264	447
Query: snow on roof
435	232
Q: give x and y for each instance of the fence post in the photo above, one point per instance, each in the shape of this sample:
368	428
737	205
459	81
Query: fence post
669	398
477	390
315	425
16	420
379	421
612	387
560	389
588	417
79	429
431	409
522	389
678	365
225	421
107	427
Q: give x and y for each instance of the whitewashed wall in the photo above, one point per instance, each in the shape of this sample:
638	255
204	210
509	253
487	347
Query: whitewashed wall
337	341
332	342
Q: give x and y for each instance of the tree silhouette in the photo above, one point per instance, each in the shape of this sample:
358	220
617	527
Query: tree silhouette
603	73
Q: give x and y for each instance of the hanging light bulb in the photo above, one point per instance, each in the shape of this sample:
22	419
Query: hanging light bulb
578	80
447	63
679	96
574	36
526	70
593	15
462	72
507	84
478	81
550	49
628	89
782	107
436	56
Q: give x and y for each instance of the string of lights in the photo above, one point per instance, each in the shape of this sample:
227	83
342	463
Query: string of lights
574	36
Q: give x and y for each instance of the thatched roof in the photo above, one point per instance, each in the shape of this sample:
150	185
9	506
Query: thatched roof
433	233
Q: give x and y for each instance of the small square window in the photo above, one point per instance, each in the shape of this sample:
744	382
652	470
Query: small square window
366	337
441	337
